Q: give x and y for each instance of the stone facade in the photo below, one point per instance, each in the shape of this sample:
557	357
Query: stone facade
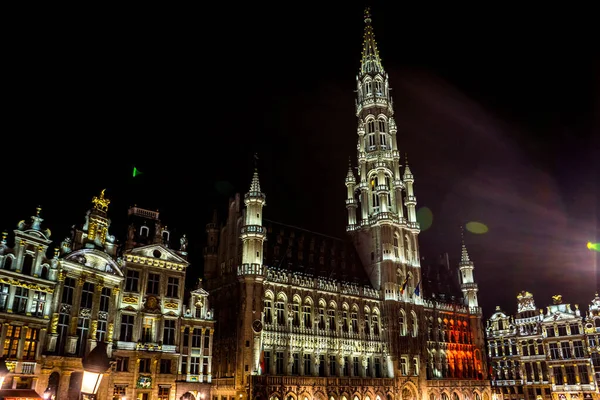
302	315
551	353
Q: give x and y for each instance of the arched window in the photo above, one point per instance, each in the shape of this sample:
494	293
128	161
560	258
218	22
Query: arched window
8	262
396	246
378	86
44	272
307	314
444	396
415	325
144	231
402	323
368	88
597	322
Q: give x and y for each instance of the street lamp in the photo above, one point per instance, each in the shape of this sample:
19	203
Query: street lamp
95	365
3	371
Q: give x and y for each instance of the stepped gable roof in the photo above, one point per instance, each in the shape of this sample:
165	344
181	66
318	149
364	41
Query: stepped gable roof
317	255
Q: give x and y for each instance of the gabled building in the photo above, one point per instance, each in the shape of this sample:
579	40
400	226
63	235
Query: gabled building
544	354
83	313
160	338
27	294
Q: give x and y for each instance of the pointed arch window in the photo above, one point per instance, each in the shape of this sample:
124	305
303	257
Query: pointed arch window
375	202
371	126
383	141
368	88
378	87
402	324
396	247
381	125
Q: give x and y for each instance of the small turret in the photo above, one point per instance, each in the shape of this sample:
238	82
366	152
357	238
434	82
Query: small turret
253	233
351	202
410	201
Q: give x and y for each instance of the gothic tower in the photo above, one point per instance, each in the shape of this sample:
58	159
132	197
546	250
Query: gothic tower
251	276
386	233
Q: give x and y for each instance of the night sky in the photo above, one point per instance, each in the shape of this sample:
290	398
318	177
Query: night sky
498	114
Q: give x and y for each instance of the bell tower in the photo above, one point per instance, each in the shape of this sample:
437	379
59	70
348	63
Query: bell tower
251	274
381	204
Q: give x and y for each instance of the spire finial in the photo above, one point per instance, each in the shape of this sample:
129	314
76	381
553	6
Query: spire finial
464	257
370	62
38	210
256	161
406	159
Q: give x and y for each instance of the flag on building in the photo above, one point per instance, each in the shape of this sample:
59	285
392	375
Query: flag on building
418	288
403	287
261	363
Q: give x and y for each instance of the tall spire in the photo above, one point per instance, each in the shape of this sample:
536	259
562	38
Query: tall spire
370	62
464	257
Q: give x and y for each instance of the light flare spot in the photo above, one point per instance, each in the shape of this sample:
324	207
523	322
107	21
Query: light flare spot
424	218
477	228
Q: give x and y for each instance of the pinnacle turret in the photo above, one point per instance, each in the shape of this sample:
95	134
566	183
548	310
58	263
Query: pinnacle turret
464	256
255	184
467	280
370	62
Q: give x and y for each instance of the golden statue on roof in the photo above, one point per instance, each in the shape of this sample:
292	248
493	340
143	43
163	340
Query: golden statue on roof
101	203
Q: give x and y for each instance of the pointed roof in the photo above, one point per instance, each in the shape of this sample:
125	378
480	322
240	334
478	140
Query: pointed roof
370	61
350	175
464	256
255	184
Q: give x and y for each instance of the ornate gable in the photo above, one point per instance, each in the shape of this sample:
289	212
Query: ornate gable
156	255
94	259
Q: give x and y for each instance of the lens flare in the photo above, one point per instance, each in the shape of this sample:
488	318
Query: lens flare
476	227
593	246
424	218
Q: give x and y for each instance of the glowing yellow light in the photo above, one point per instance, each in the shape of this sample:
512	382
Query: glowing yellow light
476	227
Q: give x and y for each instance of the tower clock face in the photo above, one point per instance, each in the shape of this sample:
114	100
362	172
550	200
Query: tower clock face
257	326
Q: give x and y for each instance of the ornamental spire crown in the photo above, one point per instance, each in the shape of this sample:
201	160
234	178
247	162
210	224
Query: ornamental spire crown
370	62
464	256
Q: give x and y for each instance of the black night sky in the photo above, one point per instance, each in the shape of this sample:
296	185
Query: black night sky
498	112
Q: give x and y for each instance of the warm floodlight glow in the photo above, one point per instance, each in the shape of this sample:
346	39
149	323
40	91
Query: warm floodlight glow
91	382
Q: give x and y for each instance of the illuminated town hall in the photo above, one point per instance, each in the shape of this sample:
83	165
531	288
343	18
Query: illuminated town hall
306	316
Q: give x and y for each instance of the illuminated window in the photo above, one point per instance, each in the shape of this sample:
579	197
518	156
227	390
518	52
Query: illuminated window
32	337
37	305
371	126
11	343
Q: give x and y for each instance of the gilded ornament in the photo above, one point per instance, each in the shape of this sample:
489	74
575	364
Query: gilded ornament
171	305
130	300
111	328
54	323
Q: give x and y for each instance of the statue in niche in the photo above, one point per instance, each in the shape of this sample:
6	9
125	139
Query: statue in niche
184	243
